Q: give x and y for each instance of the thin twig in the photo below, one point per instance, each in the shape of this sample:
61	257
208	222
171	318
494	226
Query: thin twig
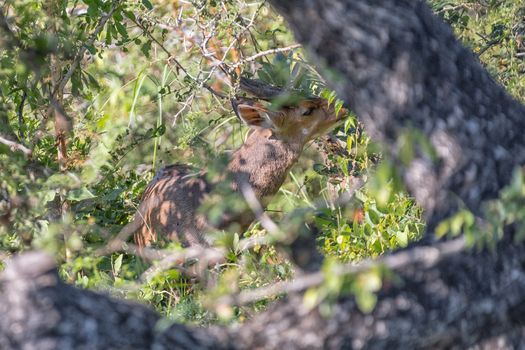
453	8
265	53
21	115
185	105
256	207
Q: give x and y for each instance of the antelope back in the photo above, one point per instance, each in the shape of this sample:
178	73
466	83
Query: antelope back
168	208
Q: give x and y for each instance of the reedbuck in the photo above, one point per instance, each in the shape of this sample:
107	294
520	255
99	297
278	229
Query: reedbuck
168	208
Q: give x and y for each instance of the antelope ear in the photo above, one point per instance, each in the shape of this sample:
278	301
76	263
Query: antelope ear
254	115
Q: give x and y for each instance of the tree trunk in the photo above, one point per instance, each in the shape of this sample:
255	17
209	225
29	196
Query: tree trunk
400	69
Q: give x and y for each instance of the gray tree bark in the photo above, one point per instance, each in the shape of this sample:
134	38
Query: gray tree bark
401	69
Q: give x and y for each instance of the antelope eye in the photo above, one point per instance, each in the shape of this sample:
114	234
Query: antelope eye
308	111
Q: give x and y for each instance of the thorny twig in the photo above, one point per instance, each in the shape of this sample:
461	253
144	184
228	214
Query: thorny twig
221	62
218	62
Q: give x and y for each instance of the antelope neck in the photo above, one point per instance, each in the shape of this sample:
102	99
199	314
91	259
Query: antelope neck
263	163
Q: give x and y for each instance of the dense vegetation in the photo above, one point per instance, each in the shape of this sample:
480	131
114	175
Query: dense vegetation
96	96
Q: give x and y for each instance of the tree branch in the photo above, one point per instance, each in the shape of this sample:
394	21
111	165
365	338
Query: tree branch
14	146
41	312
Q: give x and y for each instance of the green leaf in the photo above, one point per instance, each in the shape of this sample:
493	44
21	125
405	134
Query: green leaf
310	298
146	48
264	76
159	131
121	29
370	281
147	4
76	83
366	301
130	15
118	16
117	264
92	50
349	143
92	11
402	237
48	196
442	229
92	81
113	194
79	194
60	180
108	38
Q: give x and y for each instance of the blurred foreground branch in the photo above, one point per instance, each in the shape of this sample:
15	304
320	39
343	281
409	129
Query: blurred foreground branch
16	146
426	307
426	256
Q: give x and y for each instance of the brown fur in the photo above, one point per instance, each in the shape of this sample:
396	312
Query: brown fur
169	205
